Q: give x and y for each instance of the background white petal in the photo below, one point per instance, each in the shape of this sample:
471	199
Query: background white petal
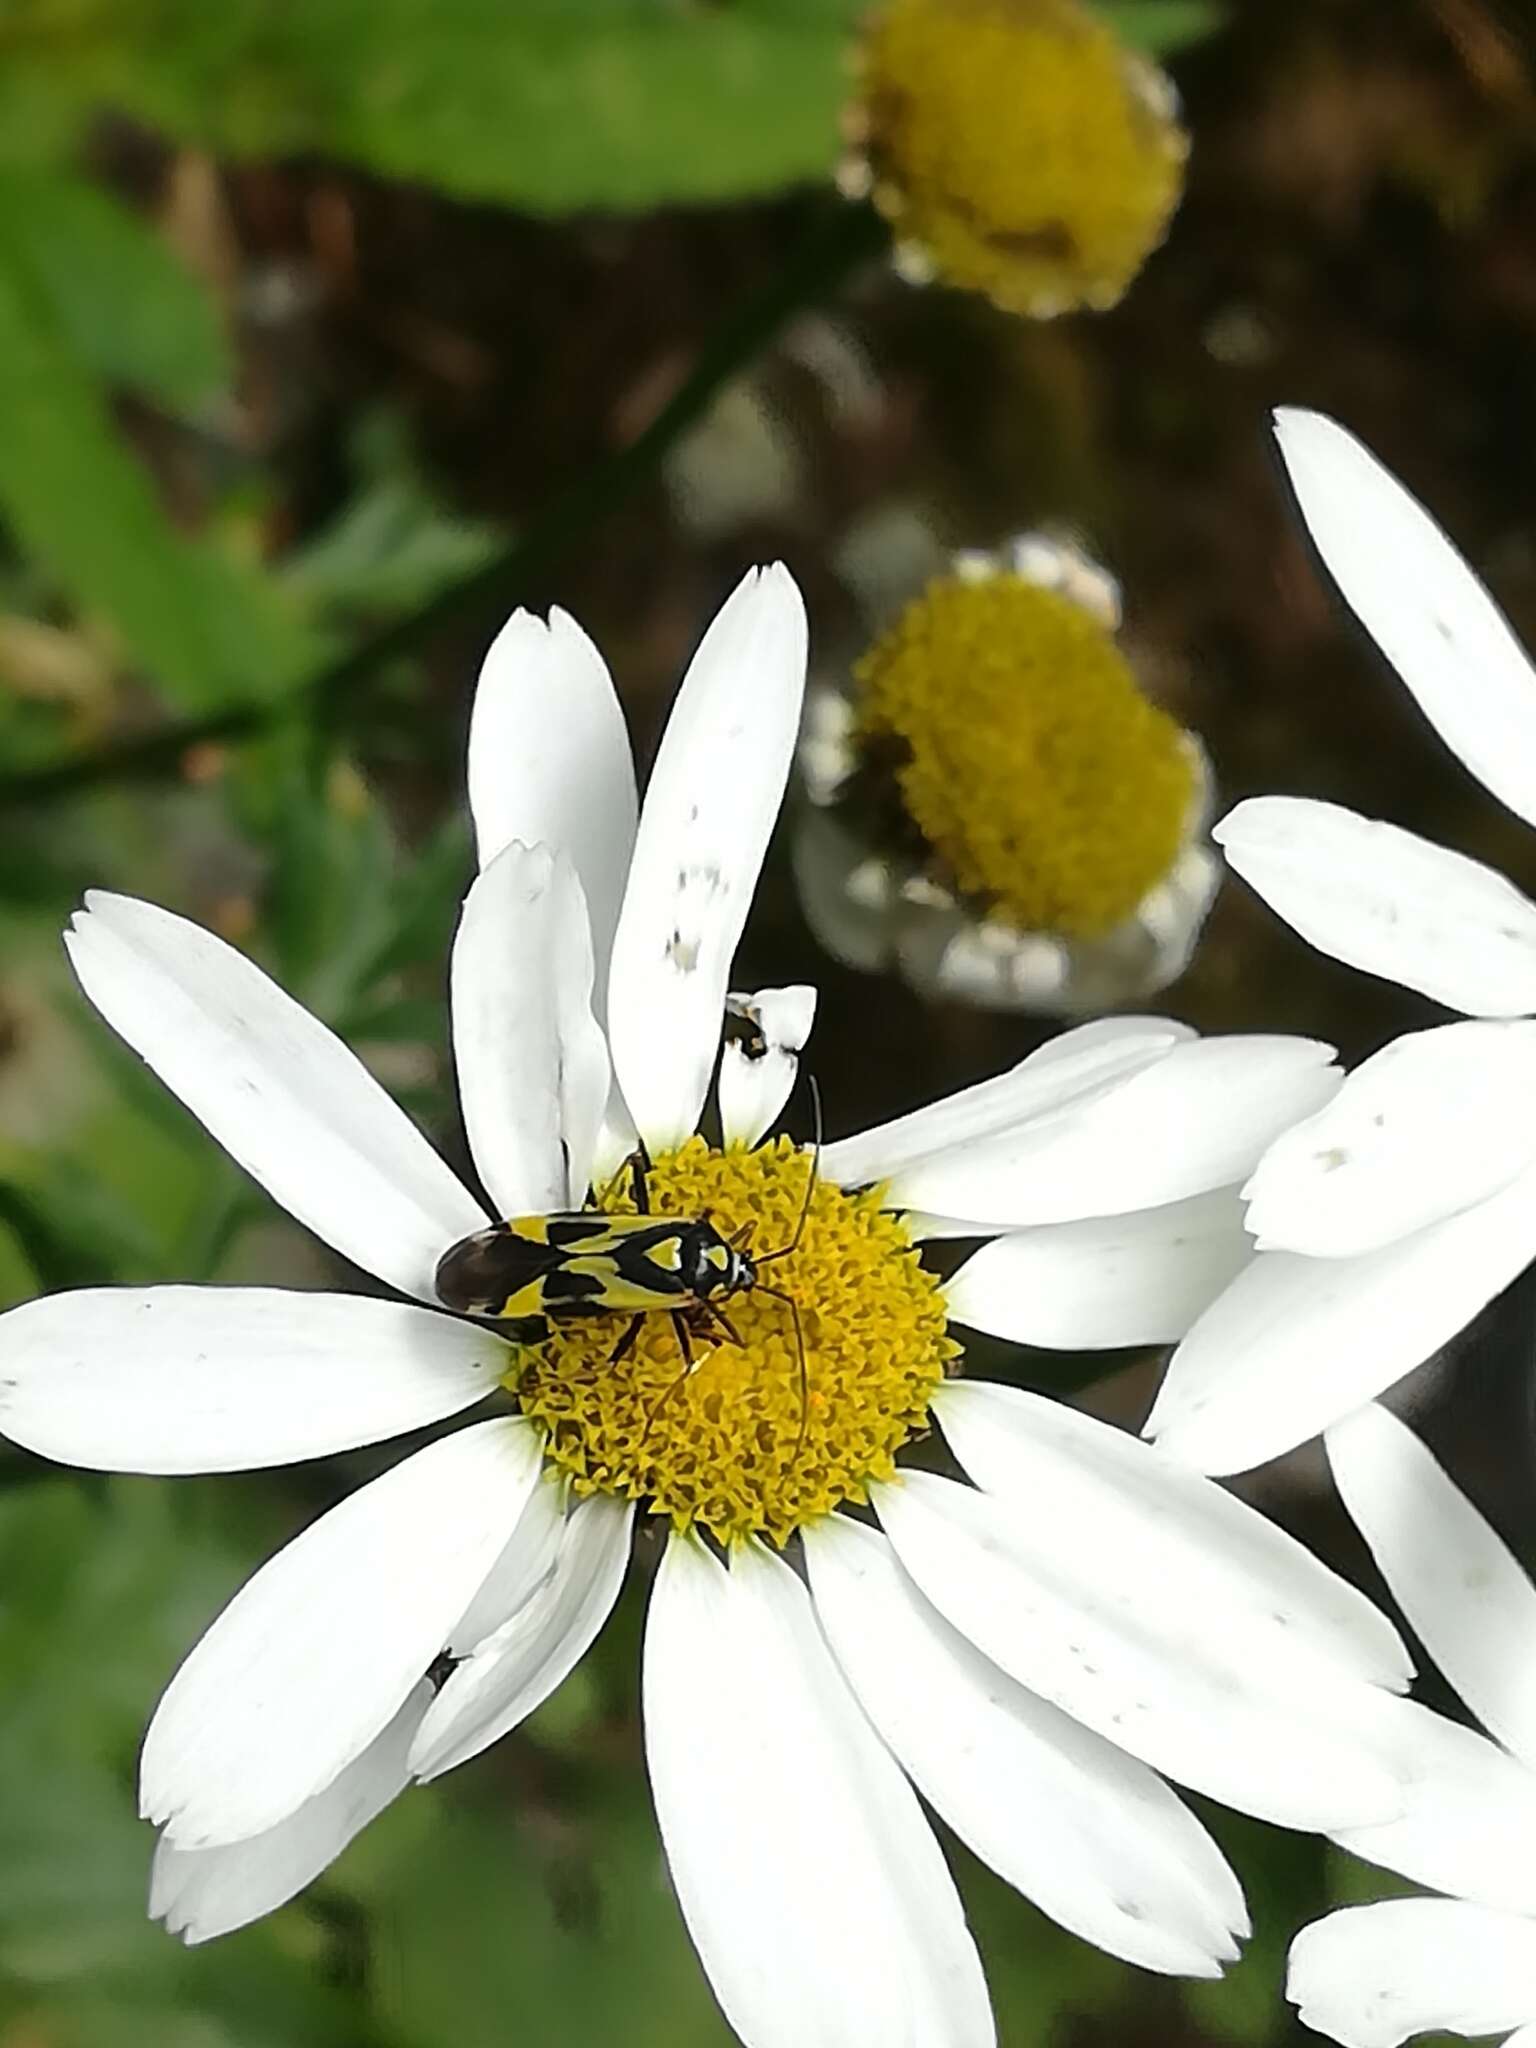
710	807
756	1079
1420	602
1295	1343
532	1064
1077	1066
1464	1594
813	1888
549	759
224	1379
279	1092
201	1893
1197	1119
1169	1537
1470	1816
315	1654
1095	1839
1430	1124
1108	1280
515	1669
1200	1690
1374	1976
1388	902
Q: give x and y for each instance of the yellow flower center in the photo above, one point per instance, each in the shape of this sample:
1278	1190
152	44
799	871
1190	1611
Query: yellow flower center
1025	754
1018	147
740	1446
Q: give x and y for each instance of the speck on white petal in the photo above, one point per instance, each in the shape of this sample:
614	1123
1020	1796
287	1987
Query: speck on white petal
1074	1068
279	1092
1432	1123
1106	1280
755	1082
225	1379
1196	1119
1294	1344
1470	1813
709	811
515	1669
316	1653
202	1893
1208	1692
1465	1595
1374	1976
1389	902
532	1062
812	1886
1420	602
1092	1837
549	760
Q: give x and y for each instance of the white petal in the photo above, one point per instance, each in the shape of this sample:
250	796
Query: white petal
549	760
316	1653
757	1074
1095	1839
1470	1816
1420	602
1203	1696
202	1893
812	1886
1374	1976
1295	1343
1465	1596
710	807
1432	1123
1198	1119
1389	903
224	1379
1077	1066
526	1564
533	1067
516	1669
1108	1280
1169	1537
279	1092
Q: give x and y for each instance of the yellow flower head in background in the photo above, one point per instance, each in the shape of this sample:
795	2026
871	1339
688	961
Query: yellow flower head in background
1016	148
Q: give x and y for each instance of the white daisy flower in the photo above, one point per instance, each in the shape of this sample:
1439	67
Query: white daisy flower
1388	1220
1373	1976
1027	1651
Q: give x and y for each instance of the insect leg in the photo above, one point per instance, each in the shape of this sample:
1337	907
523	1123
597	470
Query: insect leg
639	1167
718	1315
626	1342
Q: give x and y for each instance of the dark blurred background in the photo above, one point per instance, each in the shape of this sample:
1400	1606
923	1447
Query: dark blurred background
328	334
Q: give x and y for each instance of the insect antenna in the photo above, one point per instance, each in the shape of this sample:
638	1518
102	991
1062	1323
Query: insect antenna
793	1306
767	1258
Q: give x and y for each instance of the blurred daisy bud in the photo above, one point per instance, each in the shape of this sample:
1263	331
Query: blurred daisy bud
1016	149
995	811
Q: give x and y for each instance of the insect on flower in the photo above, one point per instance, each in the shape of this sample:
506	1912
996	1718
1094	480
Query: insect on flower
539	1270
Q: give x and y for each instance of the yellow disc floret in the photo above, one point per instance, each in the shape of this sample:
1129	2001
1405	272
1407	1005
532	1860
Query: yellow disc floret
1018	148
739	1446
1025	754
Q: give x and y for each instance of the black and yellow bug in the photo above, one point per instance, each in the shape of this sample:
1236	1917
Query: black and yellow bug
543	1270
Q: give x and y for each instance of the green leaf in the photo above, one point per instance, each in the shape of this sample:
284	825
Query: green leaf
208	630
1157	27
124	305
548	104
